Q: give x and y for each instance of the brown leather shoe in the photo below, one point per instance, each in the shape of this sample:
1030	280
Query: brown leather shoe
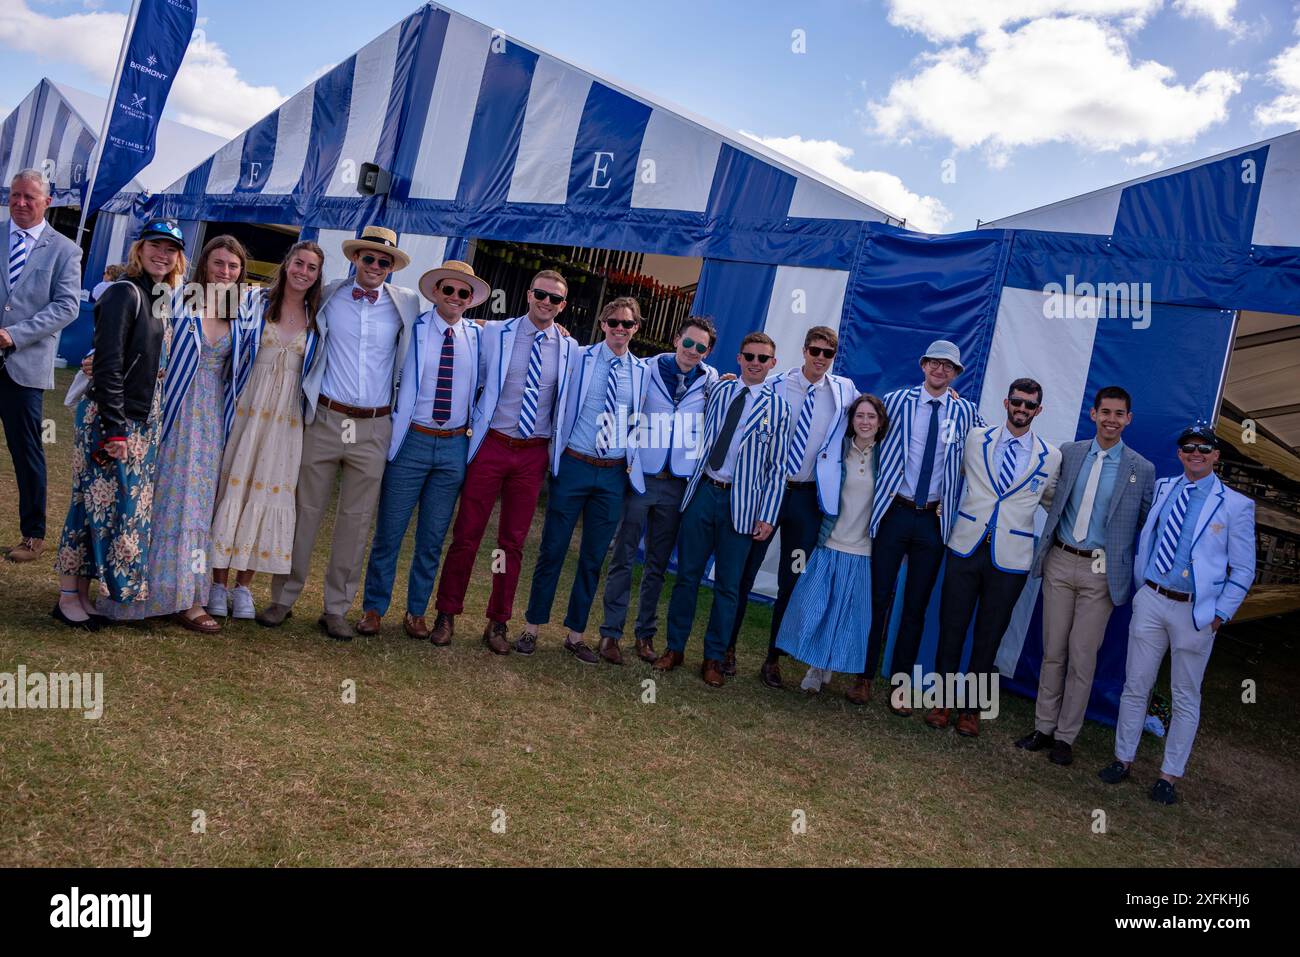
645	650
968	724
415	627
770	674
444	626
28	550
711	672
938	717
860	693
729	663
369	623
494	636
608	650
669	660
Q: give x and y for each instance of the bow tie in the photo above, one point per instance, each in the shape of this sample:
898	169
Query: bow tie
370	295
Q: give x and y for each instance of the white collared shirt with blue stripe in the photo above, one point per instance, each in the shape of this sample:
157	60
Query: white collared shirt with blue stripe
586	427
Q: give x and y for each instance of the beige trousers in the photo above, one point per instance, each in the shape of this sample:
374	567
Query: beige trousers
1076	608
360	447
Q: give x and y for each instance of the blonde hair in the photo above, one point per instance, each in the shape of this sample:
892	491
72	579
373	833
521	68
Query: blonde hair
135	263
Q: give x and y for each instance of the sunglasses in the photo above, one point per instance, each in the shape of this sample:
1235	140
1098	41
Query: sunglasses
757	357
700	347
384	262
622	323
820	352
1029	404
458	293
1202	447
554	297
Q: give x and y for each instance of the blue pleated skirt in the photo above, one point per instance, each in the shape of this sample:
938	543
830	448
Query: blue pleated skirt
829	615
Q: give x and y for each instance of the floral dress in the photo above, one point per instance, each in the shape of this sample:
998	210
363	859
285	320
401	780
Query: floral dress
106	534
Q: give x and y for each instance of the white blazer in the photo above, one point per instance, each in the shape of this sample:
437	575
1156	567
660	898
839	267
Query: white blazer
577	394
668	435
497	344
1011	514
417	360
828	471
1223	551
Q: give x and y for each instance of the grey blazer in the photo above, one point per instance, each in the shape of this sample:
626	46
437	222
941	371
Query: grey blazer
407	302
46	298
1129	504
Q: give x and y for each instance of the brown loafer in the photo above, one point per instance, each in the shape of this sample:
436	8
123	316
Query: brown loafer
415	627
770	674
608	651
729	664
669	660
444	626
645	650
938	718
28	550
860	693
204	624
711	672
968	724
494	636
369	623
272	616
902	710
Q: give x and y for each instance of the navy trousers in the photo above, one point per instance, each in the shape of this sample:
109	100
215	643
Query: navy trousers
20	411
905	532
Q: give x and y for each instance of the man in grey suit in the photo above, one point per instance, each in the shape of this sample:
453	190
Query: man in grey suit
1085	558
41	294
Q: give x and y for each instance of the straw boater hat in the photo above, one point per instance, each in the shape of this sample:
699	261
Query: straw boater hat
380	240
461	272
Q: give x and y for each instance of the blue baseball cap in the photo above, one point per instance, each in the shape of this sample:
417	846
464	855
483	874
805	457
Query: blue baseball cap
164	229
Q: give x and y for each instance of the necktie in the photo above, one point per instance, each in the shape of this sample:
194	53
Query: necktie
17	257
718	455
1007	470
922	492
446	373
532	388
1173	529
609	416
681	387
370	295
1084	518
794	461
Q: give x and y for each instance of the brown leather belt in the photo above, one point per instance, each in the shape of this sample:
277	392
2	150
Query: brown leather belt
1174	595
440	433
592	460
1081	552
722	485
927	507
518	443
355	412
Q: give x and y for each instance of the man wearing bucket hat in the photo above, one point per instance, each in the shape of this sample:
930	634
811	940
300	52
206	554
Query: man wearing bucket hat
430	444
918	485
348	384
1195	562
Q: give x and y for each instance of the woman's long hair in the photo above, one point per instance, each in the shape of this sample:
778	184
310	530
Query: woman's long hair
220	302
311	299
135	264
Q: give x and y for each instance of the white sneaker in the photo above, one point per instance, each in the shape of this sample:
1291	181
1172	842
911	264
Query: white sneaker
241	601
812	681
217	601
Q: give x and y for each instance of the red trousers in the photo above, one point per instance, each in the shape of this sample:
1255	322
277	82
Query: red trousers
515	477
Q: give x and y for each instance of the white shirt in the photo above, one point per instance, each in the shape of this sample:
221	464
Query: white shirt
33	234
796	393
728	469
510	402
461	380
916	448
360	349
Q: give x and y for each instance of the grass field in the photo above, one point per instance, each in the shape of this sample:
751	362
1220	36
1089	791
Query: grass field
250	728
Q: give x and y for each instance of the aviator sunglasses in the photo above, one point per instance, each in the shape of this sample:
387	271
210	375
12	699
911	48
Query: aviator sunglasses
700	347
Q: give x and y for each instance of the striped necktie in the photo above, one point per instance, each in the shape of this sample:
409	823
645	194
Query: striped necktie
17	256
1007	470
1173	529
609	417
446	375
532	388
801	430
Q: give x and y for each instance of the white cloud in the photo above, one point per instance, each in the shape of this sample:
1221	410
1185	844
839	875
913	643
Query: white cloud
208	92
1064	79
946	20
1284	72
831	159
1151	159
1218	12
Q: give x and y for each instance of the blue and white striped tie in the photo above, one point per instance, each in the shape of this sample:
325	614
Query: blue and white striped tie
17	257
1173	529
532	388
1007	470
801	430
609	418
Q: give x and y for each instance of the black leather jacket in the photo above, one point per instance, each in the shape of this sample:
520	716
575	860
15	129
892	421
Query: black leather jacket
128	344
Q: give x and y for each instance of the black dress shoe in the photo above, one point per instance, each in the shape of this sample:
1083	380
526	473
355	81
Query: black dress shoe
1062	753
770	675
88	625
1036	741
1162	792
1113	773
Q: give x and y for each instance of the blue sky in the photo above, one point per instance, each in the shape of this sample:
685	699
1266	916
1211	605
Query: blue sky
940	110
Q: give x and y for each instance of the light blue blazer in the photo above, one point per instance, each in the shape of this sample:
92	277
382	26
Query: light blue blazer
580	370
417	360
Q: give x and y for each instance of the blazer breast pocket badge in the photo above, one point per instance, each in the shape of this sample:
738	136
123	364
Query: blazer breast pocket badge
1217	527
1132	479
1035	484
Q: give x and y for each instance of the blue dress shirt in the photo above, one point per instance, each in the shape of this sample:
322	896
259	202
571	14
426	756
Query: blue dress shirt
1179	577
587	426
1100	505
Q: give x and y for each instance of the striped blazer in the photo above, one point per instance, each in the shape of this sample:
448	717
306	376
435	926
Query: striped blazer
759	479
183	362
900	406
